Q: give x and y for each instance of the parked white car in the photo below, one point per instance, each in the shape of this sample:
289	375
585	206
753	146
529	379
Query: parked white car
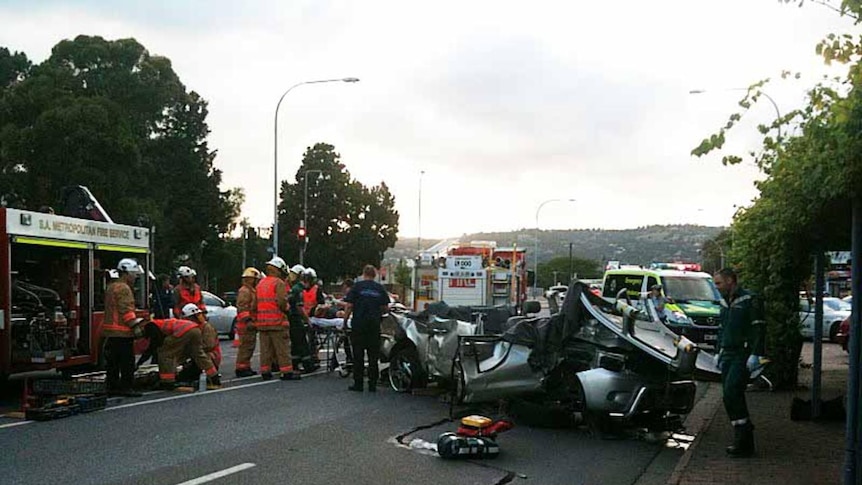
835	311
220	314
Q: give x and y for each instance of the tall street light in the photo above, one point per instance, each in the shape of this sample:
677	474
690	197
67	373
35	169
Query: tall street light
774	104
275	154
304	222
536	261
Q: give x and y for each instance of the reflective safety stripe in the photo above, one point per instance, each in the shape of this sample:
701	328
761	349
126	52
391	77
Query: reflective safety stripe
286	368
128	317
175	327
211	371
167	376
264	368
243	365
116	328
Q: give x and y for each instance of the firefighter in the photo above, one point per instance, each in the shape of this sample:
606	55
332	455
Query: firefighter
271	323
246	306
187	291
118	329
300	348
179	339
312	295
739	349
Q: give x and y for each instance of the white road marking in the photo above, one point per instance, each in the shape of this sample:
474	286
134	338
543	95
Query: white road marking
186	396
12	425
217	475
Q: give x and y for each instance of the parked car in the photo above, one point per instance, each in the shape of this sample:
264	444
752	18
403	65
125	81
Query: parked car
221	315
229	297
835	311
843	336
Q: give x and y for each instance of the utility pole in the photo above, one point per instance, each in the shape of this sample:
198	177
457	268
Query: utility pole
571	265
555	279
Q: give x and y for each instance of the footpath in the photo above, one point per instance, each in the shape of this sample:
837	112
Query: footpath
788	452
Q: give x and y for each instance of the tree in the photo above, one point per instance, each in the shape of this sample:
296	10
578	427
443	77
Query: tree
110	116
804	202
583	268
348	226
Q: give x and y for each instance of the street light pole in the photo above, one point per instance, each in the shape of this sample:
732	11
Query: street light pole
536	256
305	214
760	91
275	154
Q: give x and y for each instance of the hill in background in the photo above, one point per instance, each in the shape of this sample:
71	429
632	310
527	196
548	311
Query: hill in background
633	246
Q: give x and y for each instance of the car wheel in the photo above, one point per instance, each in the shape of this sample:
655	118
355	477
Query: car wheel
405	372
833	331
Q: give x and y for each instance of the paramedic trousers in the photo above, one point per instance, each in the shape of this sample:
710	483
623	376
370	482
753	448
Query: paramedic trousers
275	347
734	380
365	341
120	363
299	348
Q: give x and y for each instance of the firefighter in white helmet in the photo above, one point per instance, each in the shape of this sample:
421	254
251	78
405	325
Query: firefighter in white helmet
246	307
300	348
187	291
118	329
272	324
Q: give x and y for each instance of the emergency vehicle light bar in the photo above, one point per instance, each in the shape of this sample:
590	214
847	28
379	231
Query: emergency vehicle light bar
122	249
50	242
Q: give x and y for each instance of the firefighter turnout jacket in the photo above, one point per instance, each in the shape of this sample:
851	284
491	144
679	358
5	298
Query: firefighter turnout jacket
211	343
119	310
246	307
183	339
183	295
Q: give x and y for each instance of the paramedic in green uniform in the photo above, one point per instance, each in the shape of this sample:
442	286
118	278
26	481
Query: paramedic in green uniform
738	352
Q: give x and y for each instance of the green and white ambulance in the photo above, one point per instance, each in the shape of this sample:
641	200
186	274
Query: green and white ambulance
692	300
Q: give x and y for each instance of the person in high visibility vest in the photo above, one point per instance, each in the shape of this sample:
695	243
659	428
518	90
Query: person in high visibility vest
119	327
300	348
246	306
187	291
272	326
177	340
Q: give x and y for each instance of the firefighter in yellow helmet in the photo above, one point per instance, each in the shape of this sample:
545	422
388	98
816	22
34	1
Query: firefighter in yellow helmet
246	306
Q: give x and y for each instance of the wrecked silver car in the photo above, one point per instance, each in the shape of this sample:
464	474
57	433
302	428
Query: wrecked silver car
592	360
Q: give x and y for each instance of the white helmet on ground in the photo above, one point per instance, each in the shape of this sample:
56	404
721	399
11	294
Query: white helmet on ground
190	310
297	269
185	271
129	265
310	273
278	263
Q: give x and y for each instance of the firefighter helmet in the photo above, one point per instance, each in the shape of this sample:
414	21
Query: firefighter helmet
251	273
129	265
190	310
310	273
298	269
185	271
279	263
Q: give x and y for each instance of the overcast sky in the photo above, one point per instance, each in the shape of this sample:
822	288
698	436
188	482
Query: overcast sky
504	105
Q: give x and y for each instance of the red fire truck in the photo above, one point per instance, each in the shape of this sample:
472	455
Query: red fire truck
53	274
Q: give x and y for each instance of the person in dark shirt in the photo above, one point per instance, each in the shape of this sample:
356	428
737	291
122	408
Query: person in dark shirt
163	297
367	301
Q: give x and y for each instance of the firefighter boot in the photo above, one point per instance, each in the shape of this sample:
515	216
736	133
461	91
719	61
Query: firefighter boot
266	375
357	386
167	385
245	373
214	382
290	376
743	441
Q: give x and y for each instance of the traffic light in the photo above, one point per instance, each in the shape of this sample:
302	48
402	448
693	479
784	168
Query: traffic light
300	233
